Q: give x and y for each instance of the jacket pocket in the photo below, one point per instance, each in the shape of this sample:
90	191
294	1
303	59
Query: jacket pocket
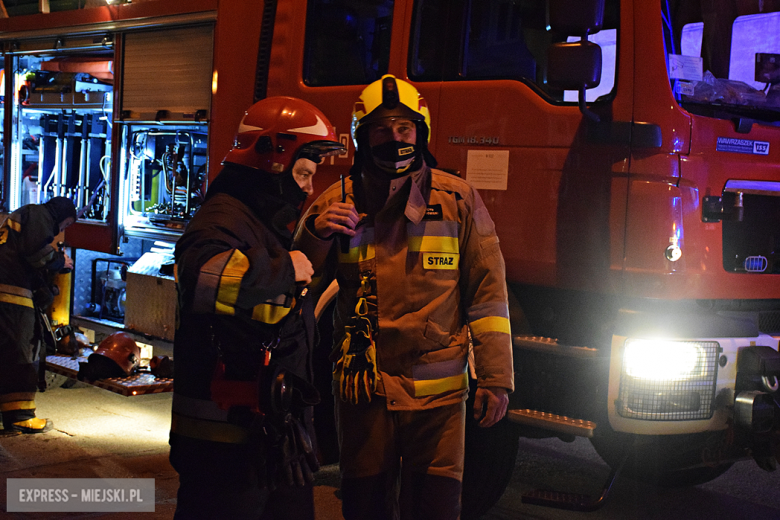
437	334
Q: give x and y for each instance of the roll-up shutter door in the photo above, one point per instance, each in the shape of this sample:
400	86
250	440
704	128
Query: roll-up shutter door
167	74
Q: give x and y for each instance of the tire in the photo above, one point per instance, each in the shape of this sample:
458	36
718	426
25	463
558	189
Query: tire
665	461
490	457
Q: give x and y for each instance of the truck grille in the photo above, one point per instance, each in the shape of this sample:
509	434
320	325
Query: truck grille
679	399
769	322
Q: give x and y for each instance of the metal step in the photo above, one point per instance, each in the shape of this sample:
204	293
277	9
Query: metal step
573	501
551	346
140	383
553	422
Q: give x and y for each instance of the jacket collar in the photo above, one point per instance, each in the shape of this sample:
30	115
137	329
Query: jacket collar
417	185
419	194
259	192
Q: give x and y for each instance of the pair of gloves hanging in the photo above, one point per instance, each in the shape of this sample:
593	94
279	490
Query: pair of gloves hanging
287	454
355	368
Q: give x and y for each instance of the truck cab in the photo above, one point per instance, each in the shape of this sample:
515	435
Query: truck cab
628	152
634	191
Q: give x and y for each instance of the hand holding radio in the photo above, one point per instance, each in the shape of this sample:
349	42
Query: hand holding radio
340	217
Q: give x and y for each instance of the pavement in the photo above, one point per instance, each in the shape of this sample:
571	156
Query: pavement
99	434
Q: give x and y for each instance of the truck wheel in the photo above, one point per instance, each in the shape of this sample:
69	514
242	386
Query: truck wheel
661	460
489	463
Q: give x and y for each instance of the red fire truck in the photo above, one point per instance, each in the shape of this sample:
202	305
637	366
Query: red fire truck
117	106
628	151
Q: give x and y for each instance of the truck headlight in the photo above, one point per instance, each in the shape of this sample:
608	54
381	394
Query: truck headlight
666	380
658	360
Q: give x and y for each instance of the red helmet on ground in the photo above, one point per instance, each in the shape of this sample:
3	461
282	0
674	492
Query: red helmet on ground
277	131
120	348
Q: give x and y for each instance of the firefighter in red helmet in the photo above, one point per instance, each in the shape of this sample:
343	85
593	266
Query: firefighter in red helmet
241	437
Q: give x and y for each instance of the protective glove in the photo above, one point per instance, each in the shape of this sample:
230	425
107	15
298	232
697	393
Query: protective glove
356	371
299	462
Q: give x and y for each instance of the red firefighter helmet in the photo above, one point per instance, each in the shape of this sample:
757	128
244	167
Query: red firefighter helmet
277	131
120	348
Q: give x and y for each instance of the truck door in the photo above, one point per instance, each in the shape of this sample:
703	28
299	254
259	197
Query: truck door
519	141
163	129
61	98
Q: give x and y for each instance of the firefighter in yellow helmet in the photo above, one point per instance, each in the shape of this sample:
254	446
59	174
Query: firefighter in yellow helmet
241	429
420	272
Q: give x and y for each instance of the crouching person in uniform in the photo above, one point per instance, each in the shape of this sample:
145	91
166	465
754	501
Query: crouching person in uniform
241	433
28	262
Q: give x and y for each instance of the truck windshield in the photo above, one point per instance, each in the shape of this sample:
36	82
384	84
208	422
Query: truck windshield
347	41
461	40
723	57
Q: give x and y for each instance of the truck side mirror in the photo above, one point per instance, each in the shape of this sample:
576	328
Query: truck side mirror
578	17
575	65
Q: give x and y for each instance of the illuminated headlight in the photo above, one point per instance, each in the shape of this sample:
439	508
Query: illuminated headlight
665	380
669	360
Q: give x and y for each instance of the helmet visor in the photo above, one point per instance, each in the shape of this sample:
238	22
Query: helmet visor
316	150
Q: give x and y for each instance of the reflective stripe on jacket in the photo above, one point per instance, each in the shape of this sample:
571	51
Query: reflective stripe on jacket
16	295
219	282
234	278
229	263
437	270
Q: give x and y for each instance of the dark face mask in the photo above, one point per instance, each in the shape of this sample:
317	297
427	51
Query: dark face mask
289	190
393	157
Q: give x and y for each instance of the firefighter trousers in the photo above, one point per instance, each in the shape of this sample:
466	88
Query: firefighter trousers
223	481
400	464
18	362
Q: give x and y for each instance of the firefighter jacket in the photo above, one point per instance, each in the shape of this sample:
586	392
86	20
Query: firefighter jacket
26	253
237	295
26	261
437	276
